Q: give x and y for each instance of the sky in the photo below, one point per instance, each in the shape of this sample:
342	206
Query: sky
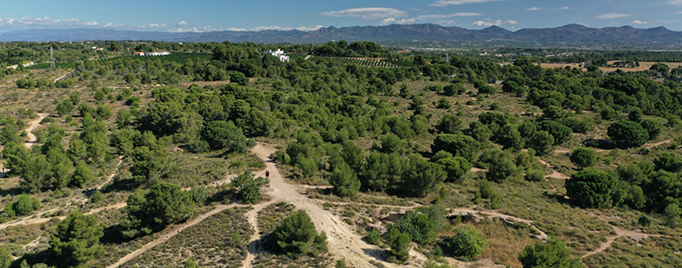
306	15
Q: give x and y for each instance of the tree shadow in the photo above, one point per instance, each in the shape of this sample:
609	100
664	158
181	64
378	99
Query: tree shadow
113	235
378	254
43	256
557	197
118	185
11	191
600	144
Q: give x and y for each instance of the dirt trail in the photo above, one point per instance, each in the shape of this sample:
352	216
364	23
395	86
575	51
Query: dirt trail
620	232
343	242
32	125
254	242
112	206
111	177
169	233
655	144
555	174
63	76
496	214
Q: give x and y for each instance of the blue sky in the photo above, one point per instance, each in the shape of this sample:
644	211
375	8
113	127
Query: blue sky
212	15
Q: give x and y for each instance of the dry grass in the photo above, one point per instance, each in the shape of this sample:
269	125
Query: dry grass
219	241
643	66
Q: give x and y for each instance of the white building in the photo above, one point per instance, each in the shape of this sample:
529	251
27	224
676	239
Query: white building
277	53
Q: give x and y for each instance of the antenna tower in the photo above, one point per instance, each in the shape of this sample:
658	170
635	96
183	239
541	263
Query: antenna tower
52	64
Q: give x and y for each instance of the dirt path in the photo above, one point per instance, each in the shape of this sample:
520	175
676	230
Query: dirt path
111	177
169	233
254	242
63	76
652	145
343	242
555	174
112	206
32	125
499	215
620	232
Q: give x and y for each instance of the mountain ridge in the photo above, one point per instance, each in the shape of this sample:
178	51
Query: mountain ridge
566	35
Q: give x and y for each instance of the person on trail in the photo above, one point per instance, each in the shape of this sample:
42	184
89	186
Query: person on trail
267	173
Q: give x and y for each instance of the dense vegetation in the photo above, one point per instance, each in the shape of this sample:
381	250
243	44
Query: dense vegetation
413	132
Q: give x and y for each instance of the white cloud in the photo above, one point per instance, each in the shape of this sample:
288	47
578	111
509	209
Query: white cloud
285	28
367	13
442	3
182	23
612	15
544	8
429	17
639	22
488	22
447	22
675	2
45	22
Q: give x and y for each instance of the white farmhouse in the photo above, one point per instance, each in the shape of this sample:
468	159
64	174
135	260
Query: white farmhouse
277	53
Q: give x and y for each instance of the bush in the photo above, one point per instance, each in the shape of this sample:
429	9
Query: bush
542	142
457	167
467	243
248	187
550	253
76	239
225	135
584	157
627	134
421	177
668	161
162	205
24	205
456	144
399	243
449	124
534	175
344	180
501	169
373	237
296	236
592	189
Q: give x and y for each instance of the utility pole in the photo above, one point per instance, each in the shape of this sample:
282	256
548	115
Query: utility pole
52	64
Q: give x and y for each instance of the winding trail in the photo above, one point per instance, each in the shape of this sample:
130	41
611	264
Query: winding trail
620	232
32	125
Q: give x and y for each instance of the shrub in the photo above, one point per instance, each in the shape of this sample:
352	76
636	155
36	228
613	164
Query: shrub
76	239
467	243
296	236
592	188
344	180
248	187
399	243
627	134
584	157
550	253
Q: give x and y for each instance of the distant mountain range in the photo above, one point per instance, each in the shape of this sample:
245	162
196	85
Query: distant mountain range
572	35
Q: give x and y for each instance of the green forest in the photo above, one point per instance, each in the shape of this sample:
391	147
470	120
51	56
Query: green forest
349	155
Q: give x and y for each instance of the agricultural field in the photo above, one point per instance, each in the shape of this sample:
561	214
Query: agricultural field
218	157
366	62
